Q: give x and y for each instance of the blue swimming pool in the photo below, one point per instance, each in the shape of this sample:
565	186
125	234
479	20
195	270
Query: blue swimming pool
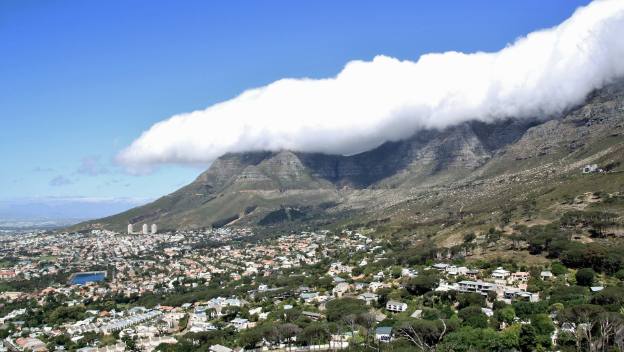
84	278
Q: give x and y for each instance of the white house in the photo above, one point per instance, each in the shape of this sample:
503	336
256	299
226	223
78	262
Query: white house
407	272
546	275
520	276
375	285
396	306
500	273
488	312
339	268
240	323
440	266
340	289
219	348
517	294
368	297
383	334
476	286
417	314
588	169
455	270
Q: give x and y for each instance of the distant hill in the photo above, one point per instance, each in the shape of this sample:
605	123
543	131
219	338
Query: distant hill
472	168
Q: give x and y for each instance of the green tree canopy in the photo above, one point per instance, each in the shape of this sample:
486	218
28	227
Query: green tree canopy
585	277
337	309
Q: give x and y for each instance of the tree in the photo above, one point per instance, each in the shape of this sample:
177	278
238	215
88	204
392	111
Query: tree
544	328
543	324
270	332
569	295
470	299
63	314
368	321
315	333
558	269
170	347
183	322
526	309
584	317
337	309
423	334
529	208
610	324
60	340
4	333
350	320
493	235
107	340
473	316
585	277
469	339
395	271
528	338
611	298
505	315
250	338
289	331
566	340
469	237
422	283
131	344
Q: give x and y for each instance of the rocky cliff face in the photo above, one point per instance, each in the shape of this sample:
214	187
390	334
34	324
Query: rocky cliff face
247	186
426	154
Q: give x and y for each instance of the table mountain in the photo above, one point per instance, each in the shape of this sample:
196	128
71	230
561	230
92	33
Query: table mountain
459	165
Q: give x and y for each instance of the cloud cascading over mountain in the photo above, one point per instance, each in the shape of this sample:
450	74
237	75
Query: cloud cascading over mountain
370	102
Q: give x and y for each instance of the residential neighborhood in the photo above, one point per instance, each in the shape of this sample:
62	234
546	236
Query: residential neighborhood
310	288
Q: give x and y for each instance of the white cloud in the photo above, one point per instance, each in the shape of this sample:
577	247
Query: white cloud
370	102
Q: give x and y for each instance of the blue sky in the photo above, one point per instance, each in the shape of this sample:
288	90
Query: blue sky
82	79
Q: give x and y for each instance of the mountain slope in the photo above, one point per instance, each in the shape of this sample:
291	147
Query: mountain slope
459	166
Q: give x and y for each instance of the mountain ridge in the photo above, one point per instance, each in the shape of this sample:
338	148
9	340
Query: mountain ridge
249	186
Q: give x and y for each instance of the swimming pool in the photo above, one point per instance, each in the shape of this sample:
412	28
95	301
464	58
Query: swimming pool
84	278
